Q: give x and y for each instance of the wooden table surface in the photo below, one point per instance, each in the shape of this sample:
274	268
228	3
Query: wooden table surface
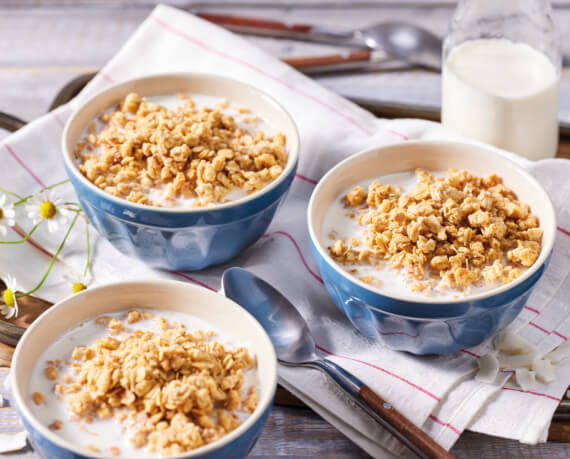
46	43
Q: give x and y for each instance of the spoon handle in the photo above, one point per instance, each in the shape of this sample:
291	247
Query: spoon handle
384	413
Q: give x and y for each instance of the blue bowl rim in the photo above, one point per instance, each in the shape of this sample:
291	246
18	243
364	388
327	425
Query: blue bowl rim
154	217
292	158
546	249
264	404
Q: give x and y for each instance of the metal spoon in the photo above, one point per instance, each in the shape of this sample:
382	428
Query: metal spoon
295	346
405	41
400	40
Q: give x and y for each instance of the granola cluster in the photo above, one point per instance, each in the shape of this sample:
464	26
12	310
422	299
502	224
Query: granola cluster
175	389
462	230
189	152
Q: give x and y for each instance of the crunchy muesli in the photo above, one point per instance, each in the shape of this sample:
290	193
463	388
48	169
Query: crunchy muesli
184	153
38	398
461	229
177	390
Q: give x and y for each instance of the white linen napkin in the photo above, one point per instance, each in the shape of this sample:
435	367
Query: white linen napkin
438	393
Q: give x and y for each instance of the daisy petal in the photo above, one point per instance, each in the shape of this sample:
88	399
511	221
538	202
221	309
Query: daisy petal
53	225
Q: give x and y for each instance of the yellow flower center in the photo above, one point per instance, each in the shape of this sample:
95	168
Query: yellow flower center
78	286
1	213
8	297
47	209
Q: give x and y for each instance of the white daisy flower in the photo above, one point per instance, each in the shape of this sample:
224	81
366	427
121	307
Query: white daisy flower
77	280
45	206
10	307
7	214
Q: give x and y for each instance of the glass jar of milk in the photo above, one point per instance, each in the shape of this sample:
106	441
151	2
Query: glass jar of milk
501	75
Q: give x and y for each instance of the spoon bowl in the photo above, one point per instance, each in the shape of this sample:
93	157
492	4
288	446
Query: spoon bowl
286	327
404	41
401	40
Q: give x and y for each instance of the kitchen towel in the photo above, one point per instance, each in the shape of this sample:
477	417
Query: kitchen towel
436	392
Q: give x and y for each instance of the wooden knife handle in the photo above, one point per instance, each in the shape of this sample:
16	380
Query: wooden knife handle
407	428
316	61
255	23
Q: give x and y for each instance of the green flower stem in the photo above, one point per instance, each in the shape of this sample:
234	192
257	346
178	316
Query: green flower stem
71	209
88	248
58	251
11	193
77	211
27	198
21	241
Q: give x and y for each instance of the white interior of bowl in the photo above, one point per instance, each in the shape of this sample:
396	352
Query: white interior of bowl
433	156
212	307
235	91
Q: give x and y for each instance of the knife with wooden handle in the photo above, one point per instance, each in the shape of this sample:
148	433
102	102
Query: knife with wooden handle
276	29
301	63
255	25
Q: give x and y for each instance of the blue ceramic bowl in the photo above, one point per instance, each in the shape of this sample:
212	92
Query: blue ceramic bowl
427	325
187	239
222	313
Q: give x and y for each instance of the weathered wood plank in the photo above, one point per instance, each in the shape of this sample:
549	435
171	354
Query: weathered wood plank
301	432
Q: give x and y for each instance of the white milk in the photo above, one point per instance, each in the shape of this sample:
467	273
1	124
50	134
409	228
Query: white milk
105	433
502	93
396	282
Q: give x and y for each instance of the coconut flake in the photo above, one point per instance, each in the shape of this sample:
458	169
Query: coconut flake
12	442
517	361
525	379
544	371
488	368
511	343
560	353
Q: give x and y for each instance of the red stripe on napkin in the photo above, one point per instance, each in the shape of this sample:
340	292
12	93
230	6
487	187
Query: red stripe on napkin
292	239
445	424
30	241
399	134
538	327
57	118
533	393
21	163
560	335
105	76
415	386
191	279
306	179
237	60
472	354
562	230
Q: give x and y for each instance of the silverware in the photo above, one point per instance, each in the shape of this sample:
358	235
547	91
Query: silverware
356	61
295	346
401	40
